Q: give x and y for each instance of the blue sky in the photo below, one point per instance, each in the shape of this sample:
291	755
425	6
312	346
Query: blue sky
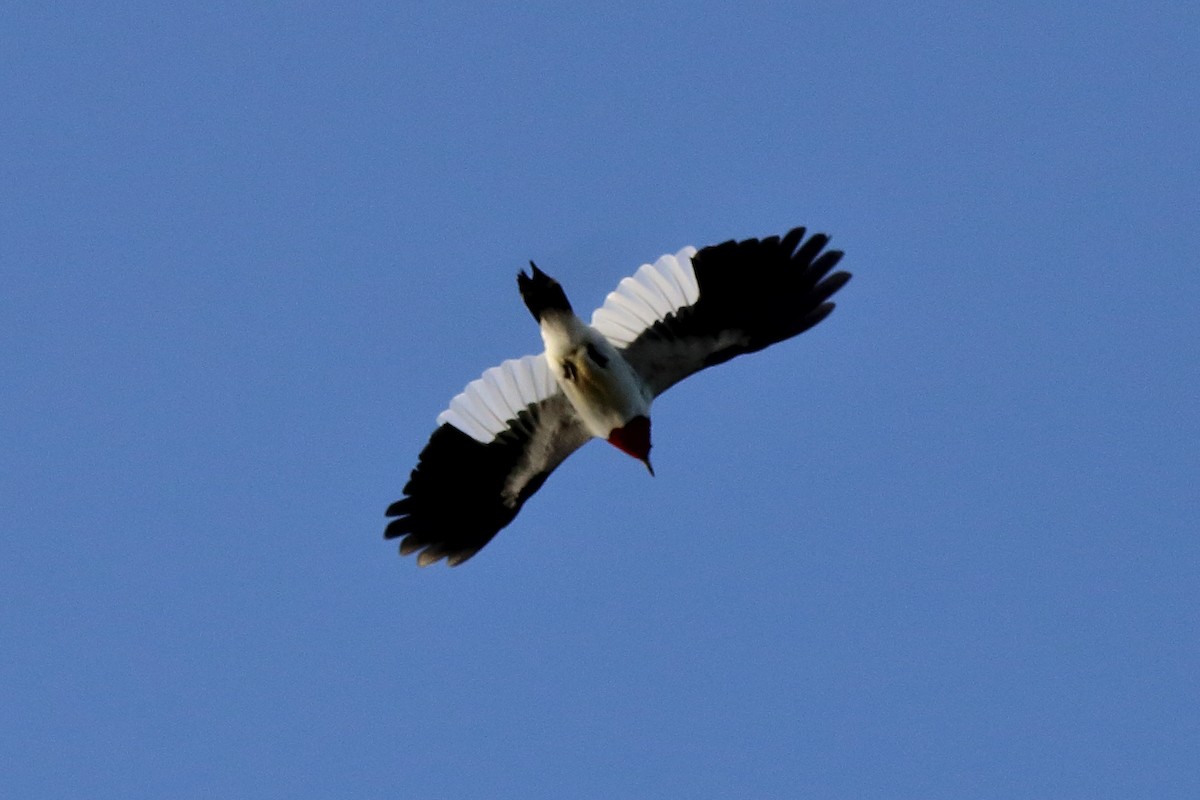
944	545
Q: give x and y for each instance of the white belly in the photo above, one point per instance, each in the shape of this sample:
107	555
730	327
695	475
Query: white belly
599	382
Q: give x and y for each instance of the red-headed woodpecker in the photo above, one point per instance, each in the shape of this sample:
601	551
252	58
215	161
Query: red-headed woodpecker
502	437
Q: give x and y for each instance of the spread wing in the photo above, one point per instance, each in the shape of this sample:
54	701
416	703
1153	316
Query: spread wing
695	309
495	446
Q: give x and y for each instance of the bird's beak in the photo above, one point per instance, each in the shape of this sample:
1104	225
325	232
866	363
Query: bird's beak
647	463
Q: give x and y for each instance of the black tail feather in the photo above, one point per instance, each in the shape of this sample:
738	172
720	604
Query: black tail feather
541	293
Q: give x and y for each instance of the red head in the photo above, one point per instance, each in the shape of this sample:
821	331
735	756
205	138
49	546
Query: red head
634	438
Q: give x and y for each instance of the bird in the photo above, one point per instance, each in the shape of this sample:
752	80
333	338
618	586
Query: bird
502	436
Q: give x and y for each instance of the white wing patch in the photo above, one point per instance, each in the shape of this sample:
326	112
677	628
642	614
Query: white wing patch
486	406
653	293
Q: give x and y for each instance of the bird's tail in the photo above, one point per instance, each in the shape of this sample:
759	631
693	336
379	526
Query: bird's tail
541	293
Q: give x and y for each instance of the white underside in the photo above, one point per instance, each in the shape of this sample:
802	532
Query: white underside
603	398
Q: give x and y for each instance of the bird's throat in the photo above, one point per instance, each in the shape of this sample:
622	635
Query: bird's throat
633	438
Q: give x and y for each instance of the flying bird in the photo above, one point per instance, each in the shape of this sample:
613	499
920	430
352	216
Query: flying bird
507	431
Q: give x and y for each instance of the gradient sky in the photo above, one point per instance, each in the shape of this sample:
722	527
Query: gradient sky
945	545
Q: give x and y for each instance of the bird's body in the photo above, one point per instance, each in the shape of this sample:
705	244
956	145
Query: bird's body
603	389
502	436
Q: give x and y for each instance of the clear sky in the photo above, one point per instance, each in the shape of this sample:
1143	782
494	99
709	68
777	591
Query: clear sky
943	545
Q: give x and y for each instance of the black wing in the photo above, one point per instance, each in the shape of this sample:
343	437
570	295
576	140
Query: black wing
464	491
751	294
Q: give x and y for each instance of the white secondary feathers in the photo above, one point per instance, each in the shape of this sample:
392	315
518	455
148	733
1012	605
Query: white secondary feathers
485	407
653	293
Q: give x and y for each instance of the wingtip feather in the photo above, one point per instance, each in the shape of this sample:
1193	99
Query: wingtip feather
830	286
809	250
430	555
